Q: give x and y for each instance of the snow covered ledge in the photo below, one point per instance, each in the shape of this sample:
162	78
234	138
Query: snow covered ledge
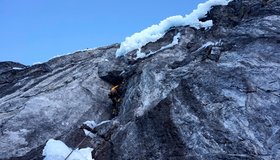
155	32
57	150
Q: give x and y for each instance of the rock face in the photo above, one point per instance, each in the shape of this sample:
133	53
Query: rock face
215	95
50	100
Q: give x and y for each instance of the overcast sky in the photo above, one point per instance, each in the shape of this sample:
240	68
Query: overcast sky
37	30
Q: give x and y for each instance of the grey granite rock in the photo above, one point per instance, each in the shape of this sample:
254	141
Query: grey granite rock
215	95
41	103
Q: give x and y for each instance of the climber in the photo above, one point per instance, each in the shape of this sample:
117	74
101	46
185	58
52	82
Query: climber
114	95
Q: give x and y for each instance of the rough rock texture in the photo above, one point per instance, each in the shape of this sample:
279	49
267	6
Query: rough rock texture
215	95
51	100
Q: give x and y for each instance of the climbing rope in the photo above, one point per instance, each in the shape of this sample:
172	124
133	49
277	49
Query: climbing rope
116	99
77	146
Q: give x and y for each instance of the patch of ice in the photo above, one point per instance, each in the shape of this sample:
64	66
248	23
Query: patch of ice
174	42
90	124
207	44
57	150
17	68
155	32
99	124
140	111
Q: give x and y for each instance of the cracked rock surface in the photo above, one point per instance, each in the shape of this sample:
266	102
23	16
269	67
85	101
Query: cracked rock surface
215	95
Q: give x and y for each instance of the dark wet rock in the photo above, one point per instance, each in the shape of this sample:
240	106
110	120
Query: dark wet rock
215	95
104	151
106	129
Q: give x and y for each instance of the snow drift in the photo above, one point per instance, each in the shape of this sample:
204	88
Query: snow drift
155	32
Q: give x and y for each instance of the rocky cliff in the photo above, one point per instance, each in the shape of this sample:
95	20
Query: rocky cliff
214	95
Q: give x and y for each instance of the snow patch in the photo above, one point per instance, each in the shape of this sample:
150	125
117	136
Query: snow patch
207	44
57	150
57	56
69	53
174	42
90	124
37	63
155	32
17	68
103	122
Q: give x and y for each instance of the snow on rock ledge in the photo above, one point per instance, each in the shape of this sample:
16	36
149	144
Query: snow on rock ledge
57	150
155	32
174	42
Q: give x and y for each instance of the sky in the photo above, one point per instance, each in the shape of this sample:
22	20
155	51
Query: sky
34	31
